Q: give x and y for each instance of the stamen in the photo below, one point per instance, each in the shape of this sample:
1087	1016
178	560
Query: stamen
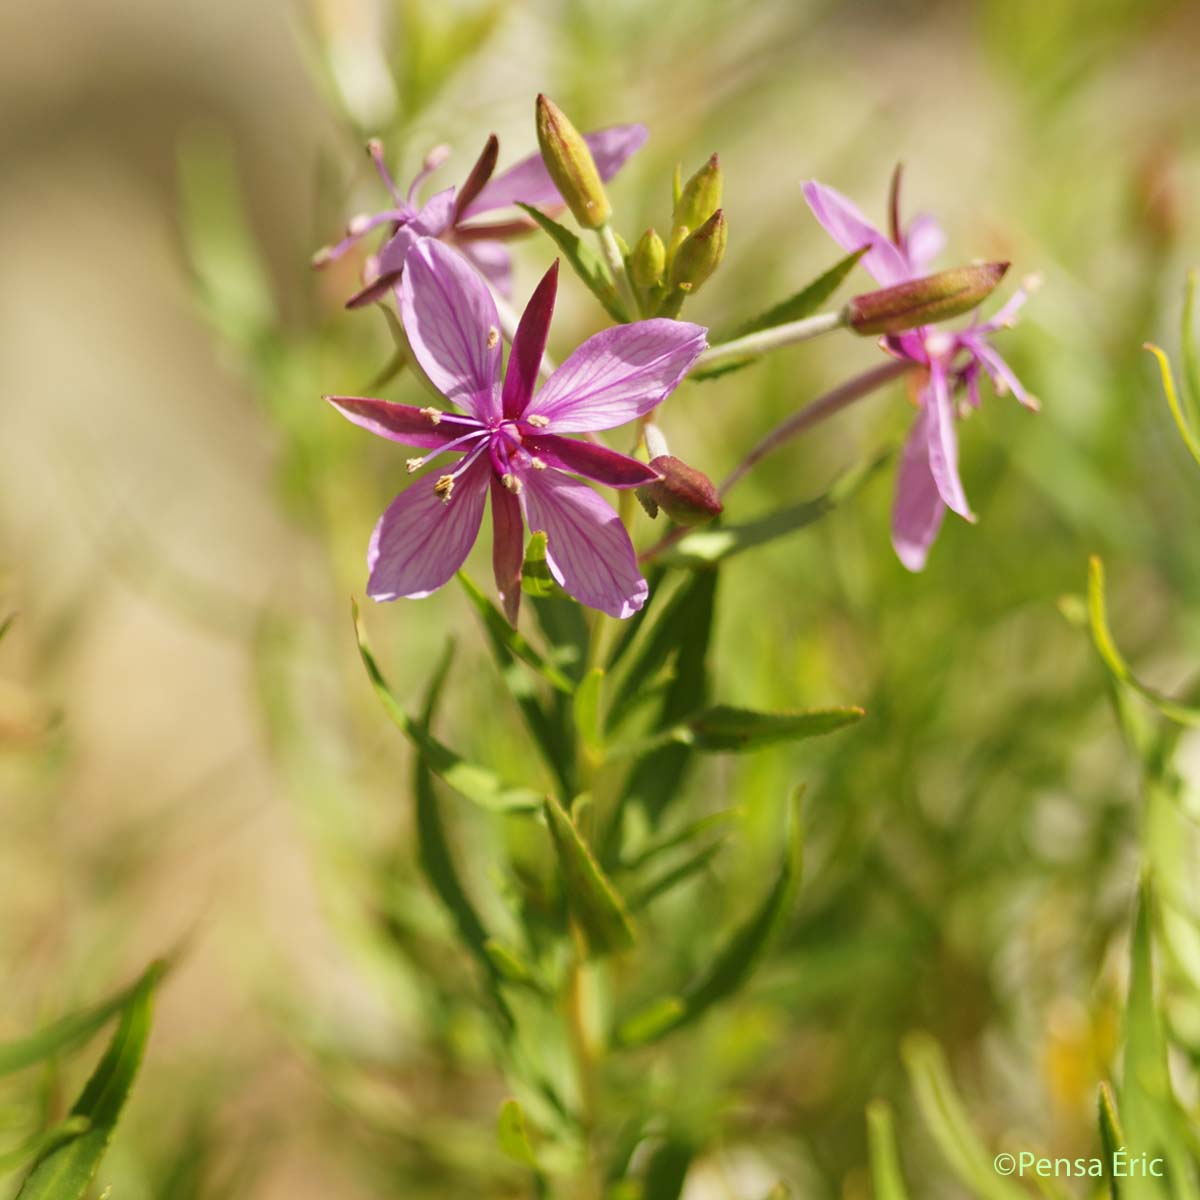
359	224
434	415
413	464
537	420
538	464
513	484
444	487
493	337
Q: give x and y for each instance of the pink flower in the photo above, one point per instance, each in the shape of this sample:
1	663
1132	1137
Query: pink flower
512	440
452	215
927	482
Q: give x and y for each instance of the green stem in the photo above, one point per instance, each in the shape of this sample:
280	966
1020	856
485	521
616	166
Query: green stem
616	265
582	1050
754	345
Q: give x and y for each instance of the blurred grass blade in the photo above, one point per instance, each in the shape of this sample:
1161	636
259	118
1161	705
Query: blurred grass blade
632	625
1111	1137
230	276
805	302
946	1119
71	1031
672	878
66	1171
713	821
714	543
733	965
513	1136
887	1180
1107	649
500	631
43	1142
587	711
1190	342
1191	439
667	1170
585	262
474	782
594	903
724	729
435	855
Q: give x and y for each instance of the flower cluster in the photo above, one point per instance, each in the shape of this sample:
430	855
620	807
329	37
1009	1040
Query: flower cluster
450	274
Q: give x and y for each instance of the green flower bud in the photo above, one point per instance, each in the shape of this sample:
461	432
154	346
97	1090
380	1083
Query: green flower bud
700	254
686	495
571	166
648	261
700	197
923	301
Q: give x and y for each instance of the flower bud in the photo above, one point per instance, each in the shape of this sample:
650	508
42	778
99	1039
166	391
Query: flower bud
700	198
648	260
686	495
700	254
923	301
571	166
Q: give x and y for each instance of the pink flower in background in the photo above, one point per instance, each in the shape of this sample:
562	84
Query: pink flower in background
927	482
453	215
511	439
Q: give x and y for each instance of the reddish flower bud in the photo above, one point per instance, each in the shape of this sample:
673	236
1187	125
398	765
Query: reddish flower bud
923	301
686	495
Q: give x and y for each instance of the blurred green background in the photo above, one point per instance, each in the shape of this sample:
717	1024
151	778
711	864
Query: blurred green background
188	750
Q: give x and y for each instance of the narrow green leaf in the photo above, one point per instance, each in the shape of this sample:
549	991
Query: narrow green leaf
72	1030
594	903
1111	656
712	544
668	880
723	728
585	262
587	710
803	303
705	824
652	1021
632	625
510	965
948	1123
471	781
1190	438
502	632
667	1170
1191	350
733	965
43	1142
536	579
887	1180
1111	1137
66	1171
514	1139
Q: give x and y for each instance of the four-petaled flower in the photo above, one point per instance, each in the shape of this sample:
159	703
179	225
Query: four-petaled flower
511	439
452	215
927	482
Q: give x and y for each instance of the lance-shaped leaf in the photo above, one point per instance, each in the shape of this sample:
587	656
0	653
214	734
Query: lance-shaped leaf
724	729
1107	648
712	544
733	965
66	1171
536	579
587	711
1111	1137
1191	350
887	1180
43	1142
513	1136
474	782
947	1121
436	857
667	1169
671	879
585	262
595	904
70	1031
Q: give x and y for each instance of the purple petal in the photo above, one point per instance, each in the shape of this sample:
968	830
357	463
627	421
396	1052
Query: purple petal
421	540
923	242
591	460
492	260
618	374
388	266
841	219
359	227
530	182
529	344
587	549
1003	379
943	442
434	219
452	326
918	509
508	548
401	422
